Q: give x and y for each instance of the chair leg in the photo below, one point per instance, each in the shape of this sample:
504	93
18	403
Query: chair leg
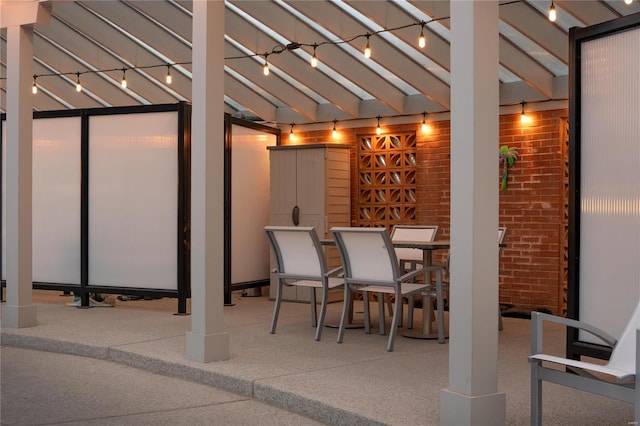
439	306
367	312
314	308
410	307
345	310
276	308
394	322
323	312
381	322
536	395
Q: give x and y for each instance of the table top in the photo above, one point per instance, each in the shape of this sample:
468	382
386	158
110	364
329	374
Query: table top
422	245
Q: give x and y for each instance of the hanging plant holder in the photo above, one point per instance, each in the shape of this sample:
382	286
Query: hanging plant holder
507	157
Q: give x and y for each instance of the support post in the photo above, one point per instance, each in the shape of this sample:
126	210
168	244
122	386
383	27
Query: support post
472	396
19	310
207	341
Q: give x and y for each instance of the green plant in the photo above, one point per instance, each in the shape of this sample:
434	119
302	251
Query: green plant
507	157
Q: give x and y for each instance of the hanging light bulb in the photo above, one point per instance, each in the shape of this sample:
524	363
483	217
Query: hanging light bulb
552	12
168	77
314	58
123	82
628	1
523	116
34	87
378	129
292	135
78	85
334	132
422	40
367	48
425	128
265	67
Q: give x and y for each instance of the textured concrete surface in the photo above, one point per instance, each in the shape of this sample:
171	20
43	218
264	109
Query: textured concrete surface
356	382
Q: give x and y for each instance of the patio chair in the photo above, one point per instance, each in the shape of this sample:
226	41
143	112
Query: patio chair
370	265
300	261
618	376
410	258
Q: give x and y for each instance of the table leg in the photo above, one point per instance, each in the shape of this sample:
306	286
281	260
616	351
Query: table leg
427	307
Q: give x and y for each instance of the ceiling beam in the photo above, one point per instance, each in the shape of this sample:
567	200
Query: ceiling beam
590	12
255	103
525	67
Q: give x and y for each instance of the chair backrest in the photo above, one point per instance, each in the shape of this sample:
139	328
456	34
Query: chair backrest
623	356
412	233
297	251
367	254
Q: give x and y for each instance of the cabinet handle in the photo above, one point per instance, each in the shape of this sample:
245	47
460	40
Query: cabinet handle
295	215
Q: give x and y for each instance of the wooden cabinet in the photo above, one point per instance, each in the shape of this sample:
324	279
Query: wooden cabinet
315	181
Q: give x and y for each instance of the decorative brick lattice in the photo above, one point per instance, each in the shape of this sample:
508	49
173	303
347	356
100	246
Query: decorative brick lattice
386	170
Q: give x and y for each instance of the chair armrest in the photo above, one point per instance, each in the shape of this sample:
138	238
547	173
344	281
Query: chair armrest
537	319
334	271
422	270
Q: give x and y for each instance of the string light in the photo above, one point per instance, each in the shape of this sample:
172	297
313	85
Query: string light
168	78
265	68
334	132
425	128
34	87
523	116
552	12
628	1
378	129
314	59
78	85
367	48
292	136
123	82
422	40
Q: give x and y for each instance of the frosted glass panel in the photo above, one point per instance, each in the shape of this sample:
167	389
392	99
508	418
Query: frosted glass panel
56	200
610	181
4	200
133	196
249	204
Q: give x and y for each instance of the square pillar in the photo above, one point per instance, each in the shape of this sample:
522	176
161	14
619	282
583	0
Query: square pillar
472	397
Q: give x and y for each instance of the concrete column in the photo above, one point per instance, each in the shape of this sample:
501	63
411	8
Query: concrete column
207	341
19	310
472	397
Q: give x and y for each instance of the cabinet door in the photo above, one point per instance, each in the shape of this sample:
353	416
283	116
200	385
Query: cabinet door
283	173
311	188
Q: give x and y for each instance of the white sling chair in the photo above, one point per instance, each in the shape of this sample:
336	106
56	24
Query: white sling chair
621	367
300	261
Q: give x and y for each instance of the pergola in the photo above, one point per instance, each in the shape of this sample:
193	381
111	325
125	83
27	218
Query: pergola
479	57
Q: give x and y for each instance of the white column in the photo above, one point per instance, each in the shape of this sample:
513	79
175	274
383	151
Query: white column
19	310
472	397
207	341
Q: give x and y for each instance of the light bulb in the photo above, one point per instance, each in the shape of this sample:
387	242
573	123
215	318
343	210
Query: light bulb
334	132
378	130
314	58
552	13
168	78
523	118
265	69
628	1
292	135
78	85
422	41
367	49
424	127
34	88
123	82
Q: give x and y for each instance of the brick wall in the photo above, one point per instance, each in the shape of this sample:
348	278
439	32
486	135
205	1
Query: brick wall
531	266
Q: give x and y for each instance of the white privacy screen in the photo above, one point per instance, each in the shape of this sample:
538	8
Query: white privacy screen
610	181
249	204
56	200
56	172
133	199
